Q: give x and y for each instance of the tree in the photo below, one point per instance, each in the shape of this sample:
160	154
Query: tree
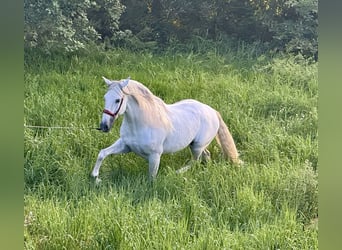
286	25
292	24
68	24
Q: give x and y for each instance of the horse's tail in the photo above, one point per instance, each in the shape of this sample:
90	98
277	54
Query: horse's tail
226	141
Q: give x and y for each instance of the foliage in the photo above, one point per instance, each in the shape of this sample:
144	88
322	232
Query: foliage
165	20
68	25
270	106
104	16
286	25
292	24
282	25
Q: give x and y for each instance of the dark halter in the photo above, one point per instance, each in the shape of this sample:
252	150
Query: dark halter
106	111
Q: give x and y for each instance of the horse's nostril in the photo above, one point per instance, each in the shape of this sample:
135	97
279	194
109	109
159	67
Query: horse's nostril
104	127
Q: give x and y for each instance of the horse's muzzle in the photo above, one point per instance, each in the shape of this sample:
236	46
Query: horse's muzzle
104	127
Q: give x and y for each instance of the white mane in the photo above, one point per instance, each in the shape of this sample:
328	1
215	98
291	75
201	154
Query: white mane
153	109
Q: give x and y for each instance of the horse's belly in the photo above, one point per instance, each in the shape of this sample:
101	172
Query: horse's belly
192	122
172	147
179	139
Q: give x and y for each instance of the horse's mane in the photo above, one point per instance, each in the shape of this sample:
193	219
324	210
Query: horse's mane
153	109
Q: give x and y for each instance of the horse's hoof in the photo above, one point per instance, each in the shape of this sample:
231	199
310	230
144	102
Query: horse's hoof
97	180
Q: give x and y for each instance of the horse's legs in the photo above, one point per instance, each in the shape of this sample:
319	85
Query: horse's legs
153	164
205	155
118	147
200	151
197	153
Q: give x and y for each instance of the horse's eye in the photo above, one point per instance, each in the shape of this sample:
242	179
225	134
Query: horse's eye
117	100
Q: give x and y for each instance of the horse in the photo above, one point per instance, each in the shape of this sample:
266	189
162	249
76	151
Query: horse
151	127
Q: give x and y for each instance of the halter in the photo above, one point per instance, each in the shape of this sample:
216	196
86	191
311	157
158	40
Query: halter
106	111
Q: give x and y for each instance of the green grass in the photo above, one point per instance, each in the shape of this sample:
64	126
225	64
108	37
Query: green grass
270	106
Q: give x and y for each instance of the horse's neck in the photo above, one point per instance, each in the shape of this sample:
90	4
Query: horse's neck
136	117
133	114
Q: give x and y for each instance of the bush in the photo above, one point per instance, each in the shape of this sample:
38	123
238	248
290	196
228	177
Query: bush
292	24
68	25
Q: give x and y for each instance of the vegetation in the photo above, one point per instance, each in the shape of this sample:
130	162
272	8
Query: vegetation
69	25
281	25
270	105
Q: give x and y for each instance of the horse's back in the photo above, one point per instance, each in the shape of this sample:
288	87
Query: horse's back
189	108
192	121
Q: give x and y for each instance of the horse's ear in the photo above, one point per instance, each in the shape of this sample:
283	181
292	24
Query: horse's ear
125	82
107	81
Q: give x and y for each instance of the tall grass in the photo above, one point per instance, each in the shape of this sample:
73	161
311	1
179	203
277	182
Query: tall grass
270	106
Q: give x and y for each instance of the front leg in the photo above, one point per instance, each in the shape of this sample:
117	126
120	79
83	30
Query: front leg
153	165
118	147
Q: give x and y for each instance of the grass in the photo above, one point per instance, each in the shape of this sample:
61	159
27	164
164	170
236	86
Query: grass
270	106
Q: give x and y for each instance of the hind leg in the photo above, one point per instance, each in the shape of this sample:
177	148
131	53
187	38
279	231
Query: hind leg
200	151
197	153
205	155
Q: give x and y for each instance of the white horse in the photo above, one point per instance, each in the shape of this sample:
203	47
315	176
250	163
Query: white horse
150	127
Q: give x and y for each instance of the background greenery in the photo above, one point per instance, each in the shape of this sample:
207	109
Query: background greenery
280	25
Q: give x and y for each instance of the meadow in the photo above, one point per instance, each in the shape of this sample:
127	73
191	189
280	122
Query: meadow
269	103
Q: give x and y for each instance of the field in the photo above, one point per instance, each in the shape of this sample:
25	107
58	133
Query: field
268	102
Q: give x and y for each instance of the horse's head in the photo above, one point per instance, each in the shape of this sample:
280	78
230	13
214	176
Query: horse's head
115	103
